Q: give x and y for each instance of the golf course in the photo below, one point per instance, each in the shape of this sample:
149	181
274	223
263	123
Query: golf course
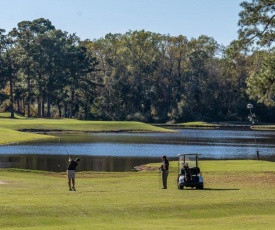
137	115
237	194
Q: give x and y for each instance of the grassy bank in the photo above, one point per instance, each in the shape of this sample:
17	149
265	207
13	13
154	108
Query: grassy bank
199	124
237	195
11	128
202	124
9	136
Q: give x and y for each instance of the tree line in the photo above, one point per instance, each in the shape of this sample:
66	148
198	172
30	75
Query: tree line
139	75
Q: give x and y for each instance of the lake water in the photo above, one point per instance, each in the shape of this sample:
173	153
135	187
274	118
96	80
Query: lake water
123	151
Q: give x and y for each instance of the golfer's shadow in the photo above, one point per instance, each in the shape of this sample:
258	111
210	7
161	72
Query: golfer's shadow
221	189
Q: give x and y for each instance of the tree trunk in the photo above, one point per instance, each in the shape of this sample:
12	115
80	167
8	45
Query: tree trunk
28	98
11	94
38	107
65	110
49	106
59	111
72	104
43	108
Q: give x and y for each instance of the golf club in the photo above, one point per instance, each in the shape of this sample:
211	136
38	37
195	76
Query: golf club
64	147
159	178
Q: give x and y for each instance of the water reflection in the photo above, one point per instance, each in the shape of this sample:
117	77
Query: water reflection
123	151
57	163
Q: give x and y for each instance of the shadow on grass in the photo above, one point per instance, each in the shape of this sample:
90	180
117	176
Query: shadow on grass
221	189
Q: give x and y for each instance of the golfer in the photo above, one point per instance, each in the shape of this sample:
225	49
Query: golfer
164	171
71	172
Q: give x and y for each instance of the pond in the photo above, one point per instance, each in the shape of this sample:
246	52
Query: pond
123	151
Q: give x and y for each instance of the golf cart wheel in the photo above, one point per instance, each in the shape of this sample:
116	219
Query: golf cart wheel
180	187
199	186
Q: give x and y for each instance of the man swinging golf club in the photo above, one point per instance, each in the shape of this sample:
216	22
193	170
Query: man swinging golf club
164	171
71	172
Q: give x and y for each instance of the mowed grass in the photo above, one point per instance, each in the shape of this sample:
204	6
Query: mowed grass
78	125
9	136
11	129
8	115
198	124
238	195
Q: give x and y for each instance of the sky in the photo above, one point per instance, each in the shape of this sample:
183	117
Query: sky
93	19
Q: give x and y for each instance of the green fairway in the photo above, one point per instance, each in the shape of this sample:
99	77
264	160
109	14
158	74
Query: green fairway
8	136
11	129
198	124
237	195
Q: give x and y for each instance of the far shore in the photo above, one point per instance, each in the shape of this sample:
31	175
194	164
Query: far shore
221	125
23	129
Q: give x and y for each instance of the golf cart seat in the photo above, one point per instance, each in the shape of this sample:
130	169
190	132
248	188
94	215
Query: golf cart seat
195	170
195	178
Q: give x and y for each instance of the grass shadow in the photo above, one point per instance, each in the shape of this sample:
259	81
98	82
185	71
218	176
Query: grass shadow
221	189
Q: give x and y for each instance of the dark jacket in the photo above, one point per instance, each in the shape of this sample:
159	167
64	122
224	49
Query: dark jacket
72	165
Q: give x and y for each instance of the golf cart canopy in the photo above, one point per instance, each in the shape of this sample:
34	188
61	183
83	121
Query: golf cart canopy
190	158
189	154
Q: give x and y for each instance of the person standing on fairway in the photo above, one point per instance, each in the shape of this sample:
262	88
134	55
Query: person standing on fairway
71	172
164	171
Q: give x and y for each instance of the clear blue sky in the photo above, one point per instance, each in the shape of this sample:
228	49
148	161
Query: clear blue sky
93	19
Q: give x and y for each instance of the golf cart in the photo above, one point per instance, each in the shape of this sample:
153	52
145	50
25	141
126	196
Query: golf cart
189	171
